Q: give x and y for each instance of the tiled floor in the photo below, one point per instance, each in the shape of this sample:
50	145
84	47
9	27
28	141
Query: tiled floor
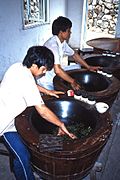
109	157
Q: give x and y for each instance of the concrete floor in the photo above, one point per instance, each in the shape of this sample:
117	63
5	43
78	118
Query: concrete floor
109	157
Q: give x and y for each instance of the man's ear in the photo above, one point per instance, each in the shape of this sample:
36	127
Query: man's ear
43	68
34	66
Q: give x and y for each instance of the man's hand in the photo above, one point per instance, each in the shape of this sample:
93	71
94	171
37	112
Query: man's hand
94	68
54	93
75	85
49	92
62	131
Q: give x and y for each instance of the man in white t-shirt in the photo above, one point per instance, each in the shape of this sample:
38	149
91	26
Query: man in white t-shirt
61	30
18	90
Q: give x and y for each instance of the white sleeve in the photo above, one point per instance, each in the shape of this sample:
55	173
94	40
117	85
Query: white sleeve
56	53
55	50
32	95
68	50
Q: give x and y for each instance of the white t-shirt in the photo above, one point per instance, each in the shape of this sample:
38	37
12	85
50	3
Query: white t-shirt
18	91
60	51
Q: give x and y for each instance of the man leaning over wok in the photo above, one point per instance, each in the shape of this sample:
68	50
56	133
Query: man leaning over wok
18	90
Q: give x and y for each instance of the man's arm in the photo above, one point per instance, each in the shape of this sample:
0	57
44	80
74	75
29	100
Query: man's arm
48	115
81	61
61	73
49	92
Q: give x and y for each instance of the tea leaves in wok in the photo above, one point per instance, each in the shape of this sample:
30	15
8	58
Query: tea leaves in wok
79	130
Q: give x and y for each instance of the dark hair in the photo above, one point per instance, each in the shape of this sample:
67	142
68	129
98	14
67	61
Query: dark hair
39	55
60	24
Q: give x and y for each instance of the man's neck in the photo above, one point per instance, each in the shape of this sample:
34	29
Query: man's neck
60	38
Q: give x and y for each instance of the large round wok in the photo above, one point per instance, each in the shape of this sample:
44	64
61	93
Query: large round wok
104	61
53	158
105	44
109	64
94	84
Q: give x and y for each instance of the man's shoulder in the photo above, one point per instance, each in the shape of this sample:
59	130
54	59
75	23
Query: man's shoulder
14	66
51	40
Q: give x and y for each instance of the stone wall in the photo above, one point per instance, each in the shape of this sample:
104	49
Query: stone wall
102	15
